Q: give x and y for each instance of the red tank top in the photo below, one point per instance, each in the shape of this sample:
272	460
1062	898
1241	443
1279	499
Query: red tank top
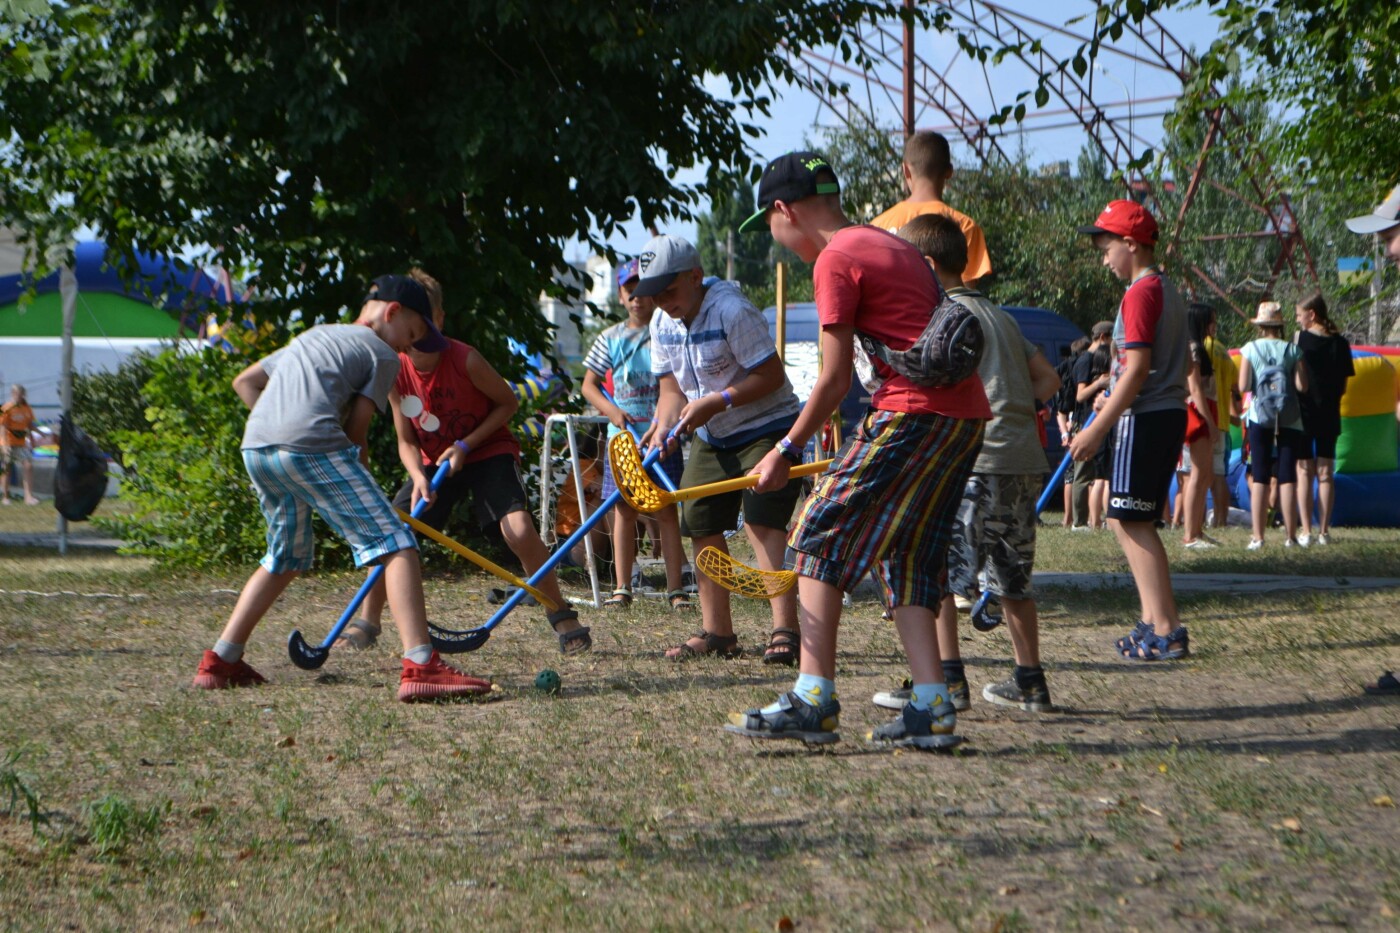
449	396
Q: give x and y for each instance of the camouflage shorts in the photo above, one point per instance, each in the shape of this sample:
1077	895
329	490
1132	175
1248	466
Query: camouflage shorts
995	531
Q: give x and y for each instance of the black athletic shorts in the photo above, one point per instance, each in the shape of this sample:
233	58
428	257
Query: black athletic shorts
494	485
1146	448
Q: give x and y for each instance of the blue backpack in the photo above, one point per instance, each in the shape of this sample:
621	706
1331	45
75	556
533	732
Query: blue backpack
1275	402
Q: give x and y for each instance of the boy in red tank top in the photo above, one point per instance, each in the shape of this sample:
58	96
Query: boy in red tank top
453	405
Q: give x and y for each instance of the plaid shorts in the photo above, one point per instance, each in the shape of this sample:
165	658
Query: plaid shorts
890	495
995	529
15	453
672	463
290	484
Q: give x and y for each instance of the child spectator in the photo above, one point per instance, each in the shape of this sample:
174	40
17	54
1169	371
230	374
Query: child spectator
927	166
1146	413
1227	402
994	529
895	485
450	404
305	447
1202	430
720	377
1091	375
624	349
1327	356
1063	404
17	444
1275	436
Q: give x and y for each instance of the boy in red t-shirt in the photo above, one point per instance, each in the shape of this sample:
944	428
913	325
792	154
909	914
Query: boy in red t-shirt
894	488
454	405
1146	413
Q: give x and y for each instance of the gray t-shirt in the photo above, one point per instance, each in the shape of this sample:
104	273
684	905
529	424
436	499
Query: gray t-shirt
1011	444
1153	317
727	339
311	383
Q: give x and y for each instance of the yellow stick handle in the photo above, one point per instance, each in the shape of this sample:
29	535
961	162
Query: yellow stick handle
742	482
430	532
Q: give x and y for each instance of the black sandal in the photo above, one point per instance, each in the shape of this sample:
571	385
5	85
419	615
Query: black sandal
784	647
575	642
621	598
726	646
680	601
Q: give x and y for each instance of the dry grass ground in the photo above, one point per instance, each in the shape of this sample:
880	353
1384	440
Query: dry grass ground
1247	788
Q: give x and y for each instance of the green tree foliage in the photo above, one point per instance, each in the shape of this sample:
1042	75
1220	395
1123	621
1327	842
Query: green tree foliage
319	144
718	234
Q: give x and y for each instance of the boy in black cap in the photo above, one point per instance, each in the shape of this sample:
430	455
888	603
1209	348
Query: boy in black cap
305	447
893	490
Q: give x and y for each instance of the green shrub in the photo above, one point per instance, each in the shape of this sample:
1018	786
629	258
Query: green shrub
114	823
14	786
108	403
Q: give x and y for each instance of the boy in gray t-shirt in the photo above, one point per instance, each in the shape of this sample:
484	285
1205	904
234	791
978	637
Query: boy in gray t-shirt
995	525
305	448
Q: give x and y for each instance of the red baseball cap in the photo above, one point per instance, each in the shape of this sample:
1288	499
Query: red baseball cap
1127	219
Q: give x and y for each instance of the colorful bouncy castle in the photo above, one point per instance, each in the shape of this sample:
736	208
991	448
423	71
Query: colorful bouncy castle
1368	451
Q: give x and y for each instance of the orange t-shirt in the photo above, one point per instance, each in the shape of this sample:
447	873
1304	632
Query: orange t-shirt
979	262
18	421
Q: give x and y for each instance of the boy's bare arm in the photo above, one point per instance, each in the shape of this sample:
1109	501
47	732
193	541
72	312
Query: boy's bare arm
250	383
764	379
1045	382
593	391
357	424
668	409
504	403
1137	366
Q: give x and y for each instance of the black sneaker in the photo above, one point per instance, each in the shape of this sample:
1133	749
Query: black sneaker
897	699
794	719
931	728
1034	699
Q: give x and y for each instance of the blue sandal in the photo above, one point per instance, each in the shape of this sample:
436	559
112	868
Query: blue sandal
1131	640
1154	647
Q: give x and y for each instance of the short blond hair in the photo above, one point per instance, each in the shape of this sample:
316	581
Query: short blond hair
430	285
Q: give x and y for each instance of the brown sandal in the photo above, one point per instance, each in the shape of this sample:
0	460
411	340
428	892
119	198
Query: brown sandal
726	646
784	646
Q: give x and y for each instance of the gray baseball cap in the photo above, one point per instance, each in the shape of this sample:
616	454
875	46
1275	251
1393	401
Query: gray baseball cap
1384	217
661	260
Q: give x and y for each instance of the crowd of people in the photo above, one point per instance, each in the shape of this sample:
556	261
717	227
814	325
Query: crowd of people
937	485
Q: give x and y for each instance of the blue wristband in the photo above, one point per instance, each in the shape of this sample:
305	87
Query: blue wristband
463	446
728	399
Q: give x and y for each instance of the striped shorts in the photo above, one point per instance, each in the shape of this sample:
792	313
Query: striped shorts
291	483
891	495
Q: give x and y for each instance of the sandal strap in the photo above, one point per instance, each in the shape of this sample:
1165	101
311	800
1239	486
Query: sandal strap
785	637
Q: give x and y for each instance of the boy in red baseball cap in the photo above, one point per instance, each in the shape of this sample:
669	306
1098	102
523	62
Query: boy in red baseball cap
1145	417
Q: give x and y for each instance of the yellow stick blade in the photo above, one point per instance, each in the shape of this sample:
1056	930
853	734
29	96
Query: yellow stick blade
740	578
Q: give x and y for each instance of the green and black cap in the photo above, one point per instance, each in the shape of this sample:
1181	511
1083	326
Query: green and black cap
790	178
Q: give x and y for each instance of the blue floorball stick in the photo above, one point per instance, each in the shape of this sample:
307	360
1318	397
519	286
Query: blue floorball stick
657	470
308	658
449	642
982	619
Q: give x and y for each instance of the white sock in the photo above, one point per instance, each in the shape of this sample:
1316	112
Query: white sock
420	655
228	651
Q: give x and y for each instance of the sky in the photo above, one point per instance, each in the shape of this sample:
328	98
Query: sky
1048	135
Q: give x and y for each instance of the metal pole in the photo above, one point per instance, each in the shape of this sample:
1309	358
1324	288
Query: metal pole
1373	331
729	255
909	69
68	288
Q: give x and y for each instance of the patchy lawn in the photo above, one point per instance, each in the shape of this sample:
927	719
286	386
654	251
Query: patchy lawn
1249	787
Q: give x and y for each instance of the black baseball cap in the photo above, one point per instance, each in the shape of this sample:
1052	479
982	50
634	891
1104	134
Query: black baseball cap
791	178
412	295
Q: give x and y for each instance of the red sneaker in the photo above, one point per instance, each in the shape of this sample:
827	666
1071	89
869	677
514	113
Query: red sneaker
215	673
436	680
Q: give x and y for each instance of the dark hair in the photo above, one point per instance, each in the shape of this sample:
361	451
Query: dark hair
940	239
1079	346
1318	307
1198	319
1100	362
928	156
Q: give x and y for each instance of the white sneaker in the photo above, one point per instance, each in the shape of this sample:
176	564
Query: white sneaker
1081	528
1291	542
1324	538
1304	540
963	603
1200	544
1255	544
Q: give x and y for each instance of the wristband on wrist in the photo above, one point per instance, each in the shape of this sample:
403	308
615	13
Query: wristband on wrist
789	451
728	399
463	446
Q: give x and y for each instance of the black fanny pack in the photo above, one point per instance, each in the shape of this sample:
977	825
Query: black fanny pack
948	351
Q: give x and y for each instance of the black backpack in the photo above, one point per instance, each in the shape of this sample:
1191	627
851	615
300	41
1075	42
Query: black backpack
948	351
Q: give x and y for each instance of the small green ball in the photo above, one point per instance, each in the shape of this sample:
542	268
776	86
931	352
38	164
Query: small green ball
547	680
